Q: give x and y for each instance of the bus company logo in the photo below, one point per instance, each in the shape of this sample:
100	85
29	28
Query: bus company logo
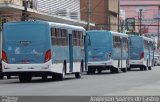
9	99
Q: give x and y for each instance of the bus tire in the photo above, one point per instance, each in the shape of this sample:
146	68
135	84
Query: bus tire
91	70
150	68
61	77
99	71
8	77
145	68
25	78
114	70
123	69
128	69
141	68
78	74
1	76
88	72
82	66
55	77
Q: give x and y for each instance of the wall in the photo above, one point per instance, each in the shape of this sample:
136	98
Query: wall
102	12
67	8
15	2
150	9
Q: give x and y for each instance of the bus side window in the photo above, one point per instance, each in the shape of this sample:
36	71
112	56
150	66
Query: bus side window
76	38
58	36
64	37
146	44
73	33
114	42
81	38
119	42
54	36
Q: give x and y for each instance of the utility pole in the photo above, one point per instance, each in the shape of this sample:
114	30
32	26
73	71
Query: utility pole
118	15
88	14
157	17
140	21
158	44
25	12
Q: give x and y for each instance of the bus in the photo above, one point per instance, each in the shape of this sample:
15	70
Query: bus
141	52
1	74
41	48
107	50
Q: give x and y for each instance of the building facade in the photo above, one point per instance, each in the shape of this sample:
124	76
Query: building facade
104	13
62	11
145	13
65	8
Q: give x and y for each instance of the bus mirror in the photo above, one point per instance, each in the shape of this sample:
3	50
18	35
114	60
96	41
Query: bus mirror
130	43
154	48
89	40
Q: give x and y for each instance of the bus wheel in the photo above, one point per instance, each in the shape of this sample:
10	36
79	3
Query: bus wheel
78	74
141	68
114	70
25	78
61	77
145	68
1	76
8	77
149	68
91	70
99	71
128	69
123	69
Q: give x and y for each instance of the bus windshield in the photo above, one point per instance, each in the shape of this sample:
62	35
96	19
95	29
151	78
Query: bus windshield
99	41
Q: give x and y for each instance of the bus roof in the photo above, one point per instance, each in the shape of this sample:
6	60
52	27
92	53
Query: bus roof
66	26
149	39
119	34
143	37
98	31
45	22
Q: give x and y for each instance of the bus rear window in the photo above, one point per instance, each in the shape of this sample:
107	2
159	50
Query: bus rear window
136	41
100	41
25	32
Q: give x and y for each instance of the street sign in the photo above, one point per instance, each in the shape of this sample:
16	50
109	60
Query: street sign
130	24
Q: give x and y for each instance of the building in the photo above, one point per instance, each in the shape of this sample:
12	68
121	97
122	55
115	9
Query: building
122	17
49	10
65	8
11	10
144	12
104	13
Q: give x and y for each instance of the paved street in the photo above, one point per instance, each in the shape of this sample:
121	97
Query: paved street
131	83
